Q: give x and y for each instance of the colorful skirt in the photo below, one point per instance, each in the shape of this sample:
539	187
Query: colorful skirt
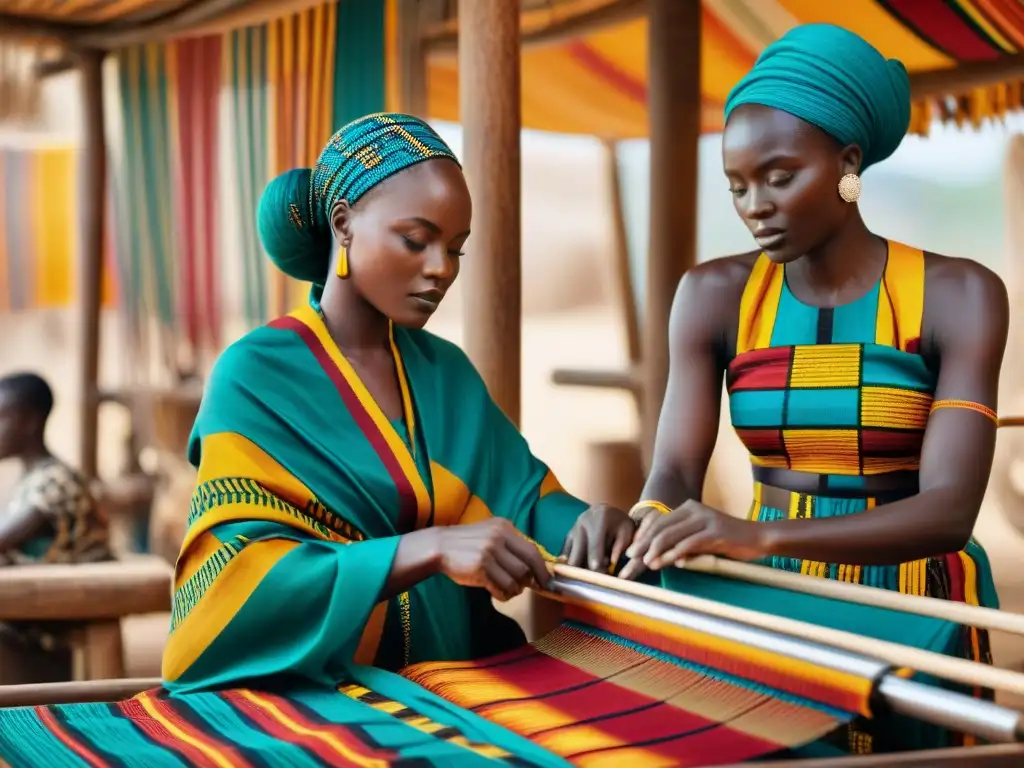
964	576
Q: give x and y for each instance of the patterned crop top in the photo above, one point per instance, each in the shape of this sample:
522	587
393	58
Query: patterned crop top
841	392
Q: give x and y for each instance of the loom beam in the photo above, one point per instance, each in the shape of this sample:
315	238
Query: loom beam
940	707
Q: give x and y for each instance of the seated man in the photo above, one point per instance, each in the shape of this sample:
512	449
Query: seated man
51	518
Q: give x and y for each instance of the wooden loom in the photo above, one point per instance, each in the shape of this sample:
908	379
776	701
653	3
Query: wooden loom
873	674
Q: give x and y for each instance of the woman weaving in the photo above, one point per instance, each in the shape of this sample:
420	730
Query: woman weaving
862	373
353	470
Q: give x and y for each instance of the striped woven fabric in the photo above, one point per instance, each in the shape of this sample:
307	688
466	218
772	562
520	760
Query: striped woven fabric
38	229
606	688
609	688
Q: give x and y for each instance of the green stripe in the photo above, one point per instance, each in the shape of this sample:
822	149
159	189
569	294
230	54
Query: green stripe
248	278
221	492
188	595
359	61
255	93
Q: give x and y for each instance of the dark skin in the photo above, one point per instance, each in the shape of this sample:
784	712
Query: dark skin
783	174
21	437
404	241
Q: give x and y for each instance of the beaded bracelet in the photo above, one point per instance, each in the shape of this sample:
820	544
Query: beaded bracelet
969	405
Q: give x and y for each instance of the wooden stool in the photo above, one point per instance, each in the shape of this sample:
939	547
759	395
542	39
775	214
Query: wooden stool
91	599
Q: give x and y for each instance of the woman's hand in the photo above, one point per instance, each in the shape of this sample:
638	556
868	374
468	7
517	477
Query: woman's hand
492	555
599	532
689	530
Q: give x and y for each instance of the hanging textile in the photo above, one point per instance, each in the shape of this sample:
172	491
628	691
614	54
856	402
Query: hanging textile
198	106
359	82
146	202
39	226
207	122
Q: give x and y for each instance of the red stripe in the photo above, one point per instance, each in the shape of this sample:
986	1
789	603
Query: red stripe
87	755
942	26
273	727
762	441
208	54
406	494
719	745
141	719
957	579
1011	10
877	443
625	83
760	369
164	707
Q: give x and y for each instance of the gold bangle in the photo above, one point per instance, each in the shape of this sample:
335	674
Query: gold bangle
655	505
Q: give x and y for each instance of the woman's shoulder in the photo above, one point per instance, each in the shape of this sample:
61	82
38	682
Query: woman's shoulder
962	296
263	355
716	284
962	278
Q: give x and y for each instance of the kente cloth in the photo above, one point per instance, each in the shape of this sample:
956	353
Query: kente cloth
304	489
605	688
844	393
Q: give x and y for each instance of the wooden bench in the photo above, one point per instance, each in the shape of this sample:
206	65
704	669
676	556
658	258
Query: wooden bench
91	599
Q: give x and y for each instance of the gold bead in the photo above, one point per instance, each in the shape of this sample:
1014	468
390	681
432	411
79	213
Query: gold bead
849	188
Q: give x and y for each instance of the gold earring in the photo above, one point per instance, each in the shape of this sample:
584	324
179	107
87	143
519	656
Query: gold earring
342	268
849	187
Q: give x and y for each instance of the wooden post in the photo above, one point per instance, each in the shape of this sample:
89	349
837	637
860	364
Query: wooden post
674	105
92	261
489	105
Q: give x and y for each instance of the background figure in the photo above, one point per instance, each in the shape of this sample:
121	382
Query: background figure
51	518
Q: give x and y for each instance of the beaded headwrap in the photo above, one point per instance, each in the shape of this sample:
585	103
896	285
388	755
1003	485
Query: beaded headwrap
295	210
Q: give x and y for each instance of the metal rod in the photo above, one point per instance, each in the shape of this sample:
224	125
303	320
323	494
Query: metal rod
785	645
931	704
950	709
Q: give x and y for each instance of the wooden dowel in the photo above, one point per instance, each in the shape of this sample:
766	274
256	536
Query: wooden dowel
1011	421
43	694
959	613
946	667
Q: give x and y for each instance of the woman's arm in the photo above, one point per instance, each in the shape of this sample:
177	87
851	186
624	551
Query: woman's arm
20	523
24	518
688	424
970	331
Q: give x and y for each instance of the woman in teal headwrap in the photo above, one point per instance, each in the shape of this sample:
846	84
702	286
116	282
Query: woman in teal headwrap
353	471
862	373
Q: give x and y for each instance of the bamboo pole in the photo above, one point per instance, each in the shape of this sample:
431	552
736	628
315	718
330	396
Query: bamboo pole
958	613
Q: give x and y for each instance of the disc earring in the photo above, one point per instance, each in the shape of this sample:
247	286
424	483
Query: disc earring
849	187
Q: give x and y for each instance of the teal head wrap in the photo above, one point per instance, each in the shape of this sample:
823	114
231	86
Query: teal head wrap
835	80
294	215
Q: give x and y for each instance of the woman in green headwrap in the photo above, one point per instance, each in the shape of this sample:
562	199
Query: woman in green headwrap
862	373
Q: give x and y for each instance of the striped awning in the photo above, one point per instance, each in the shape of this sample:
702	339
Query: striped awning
598	83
